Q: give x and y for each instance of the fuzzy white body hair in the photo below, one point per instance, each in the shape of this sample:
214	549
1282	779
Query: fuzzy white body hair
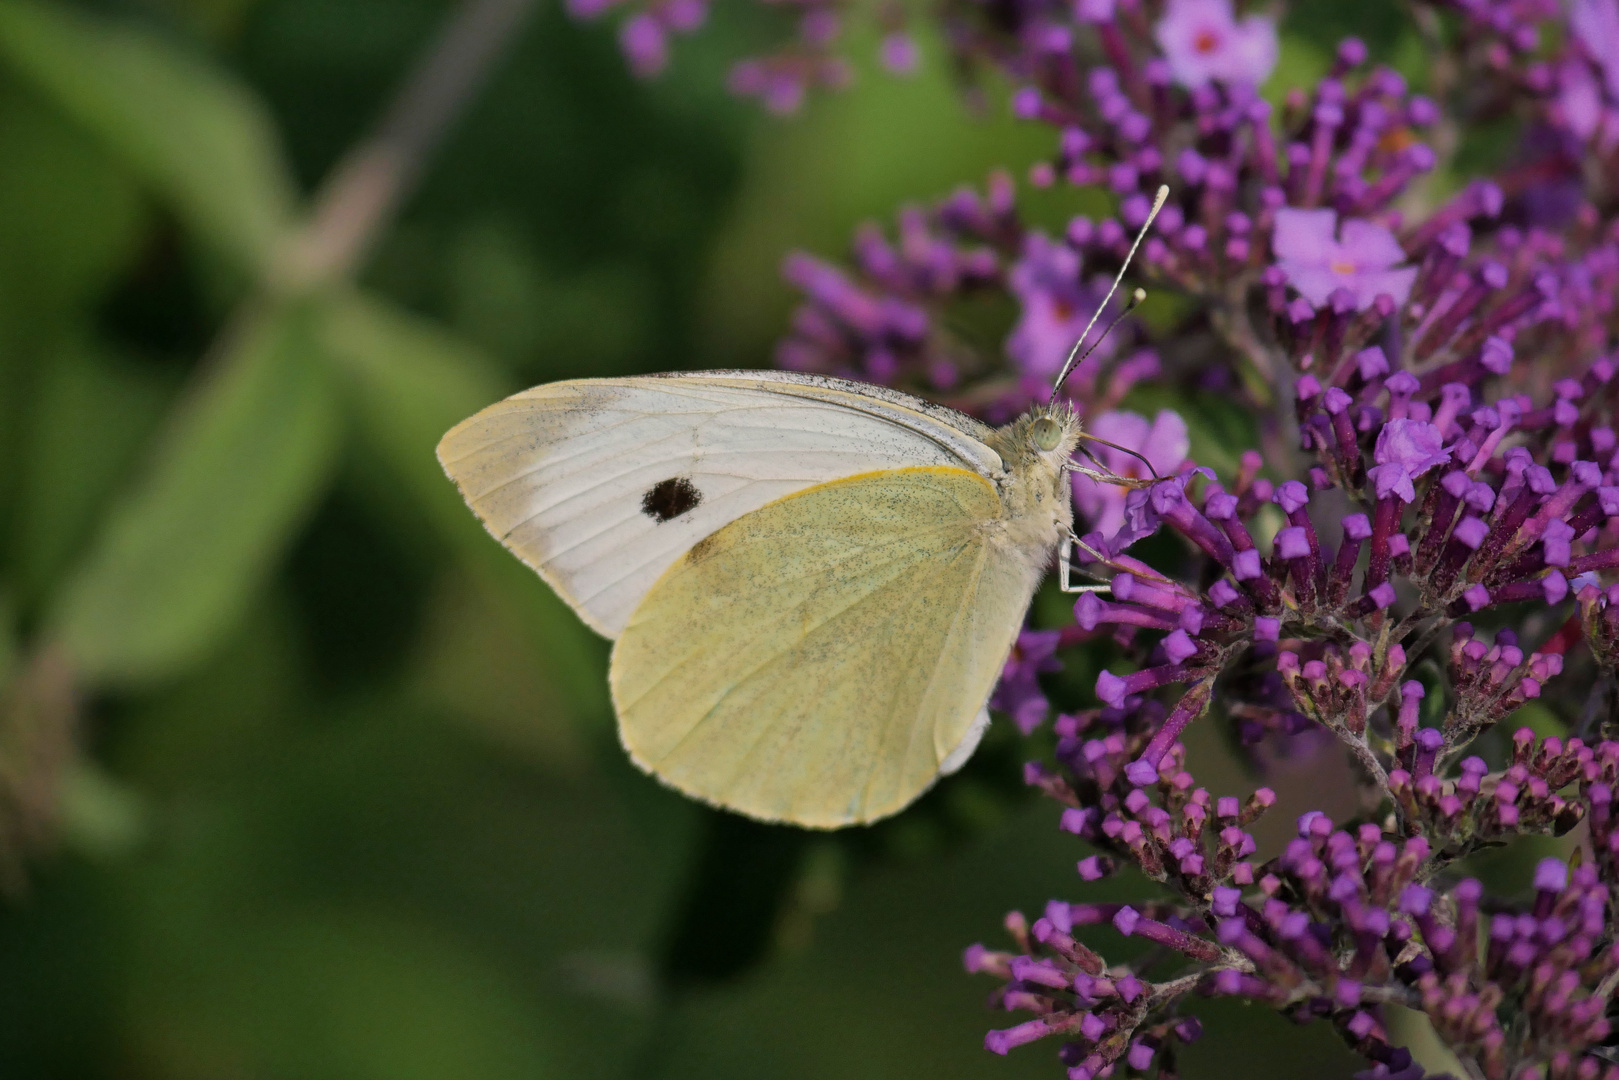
1035	491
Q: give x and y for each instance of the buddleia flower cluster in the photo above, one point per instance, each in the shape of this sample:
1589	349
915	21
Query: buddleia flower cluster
1421	549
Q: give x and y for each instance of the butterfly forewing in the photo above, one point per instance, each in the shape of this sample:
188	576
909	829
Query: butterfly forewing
602	484
819	659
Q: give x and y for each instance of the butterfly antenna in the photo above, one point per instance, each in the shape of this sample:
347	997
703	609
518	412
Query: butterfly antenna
1136	297
1073	354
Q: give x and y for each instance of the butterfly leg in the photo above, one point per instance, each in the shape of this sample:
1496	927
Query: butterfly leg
1064	566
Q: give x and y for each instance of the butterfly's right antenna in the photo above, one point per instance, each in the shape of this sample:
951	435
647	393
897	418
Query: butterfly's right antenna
1139	295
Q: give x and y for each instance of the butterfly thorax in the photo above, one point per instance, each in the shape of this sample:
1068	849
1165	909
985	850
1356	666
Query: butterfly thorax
1036	496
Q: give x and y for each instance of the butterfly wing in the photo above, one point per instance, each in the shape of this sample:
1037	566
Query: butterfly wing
602	484
825	658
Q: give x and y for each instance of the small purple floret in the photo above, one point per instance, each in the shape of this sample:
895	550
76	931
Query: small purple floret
1406	449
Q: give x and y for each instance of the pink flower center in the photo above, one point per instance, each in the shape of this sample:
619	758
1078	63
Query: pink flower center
1342	266
1206	41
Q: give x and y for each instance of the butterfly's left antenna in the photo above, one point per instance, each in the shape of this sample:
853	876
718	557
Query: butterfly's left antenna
1074	356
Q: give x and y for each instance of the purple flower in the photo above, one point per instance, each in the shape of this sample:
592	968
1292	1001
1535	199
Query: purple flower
1579	98
1405	450
1595	27
1019	691
1140	520
1203	43
645	44
1164	443
1056	308
1551	875
1364	261
1409	1071
899	54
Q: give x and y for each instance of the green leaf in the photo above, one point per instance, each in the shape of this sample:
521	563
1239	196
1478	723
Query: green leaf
408	383
71	216
63	478
376	896
246	455
8	640
198	137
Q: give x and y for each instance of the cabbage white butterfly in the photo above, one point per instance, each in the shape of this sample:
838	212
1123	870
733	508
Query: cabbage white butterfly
812	584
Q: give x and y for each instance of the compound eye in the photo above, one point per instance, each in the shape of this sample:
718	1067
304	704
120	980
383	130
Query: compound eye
1045	433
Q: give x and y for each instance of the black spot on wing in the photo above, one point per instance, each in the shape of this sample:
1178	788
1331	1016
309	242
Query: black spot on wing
670	498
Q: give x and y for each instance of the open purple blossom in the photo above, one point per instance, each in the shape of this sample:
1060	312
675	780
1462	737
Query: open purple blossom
1363	258
1204	42
1163	441
1579	99
1406	449
1594	26
1056	305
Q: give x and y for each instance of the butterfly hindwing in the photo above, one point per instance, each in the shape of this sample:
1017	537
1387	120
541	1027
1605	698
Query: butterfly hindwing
824	658
602	484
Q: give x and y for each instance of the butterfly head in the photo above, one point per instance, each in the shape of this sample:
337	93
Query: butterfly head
1044	438
1053	430
1053	434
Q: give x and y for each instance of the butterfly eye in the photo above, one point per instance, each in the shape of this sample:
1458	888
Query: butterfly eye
1045	433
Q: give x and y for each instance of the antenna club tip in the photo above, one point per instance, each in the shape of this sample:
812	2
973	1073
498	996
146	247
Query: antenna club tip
1139	295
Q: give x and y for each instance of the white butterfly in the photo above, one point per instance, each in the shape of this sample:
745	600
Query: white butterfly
812	584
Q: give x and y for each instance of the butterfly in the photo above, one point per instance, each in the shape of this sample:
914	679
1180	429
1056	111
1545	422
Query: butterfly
811	584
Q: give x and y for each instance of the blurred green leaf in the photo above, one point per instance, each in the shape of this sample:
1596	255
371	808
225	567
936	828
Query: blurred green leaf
70	214
246	456
100	816
1301	62
475	662
90	414
314	910
200	139
214	18
551	324
351	995
408	384
70	218
8	640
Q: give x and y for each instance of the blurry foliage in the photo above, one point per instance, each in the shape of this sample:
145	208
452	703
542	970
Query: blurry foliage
347	801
